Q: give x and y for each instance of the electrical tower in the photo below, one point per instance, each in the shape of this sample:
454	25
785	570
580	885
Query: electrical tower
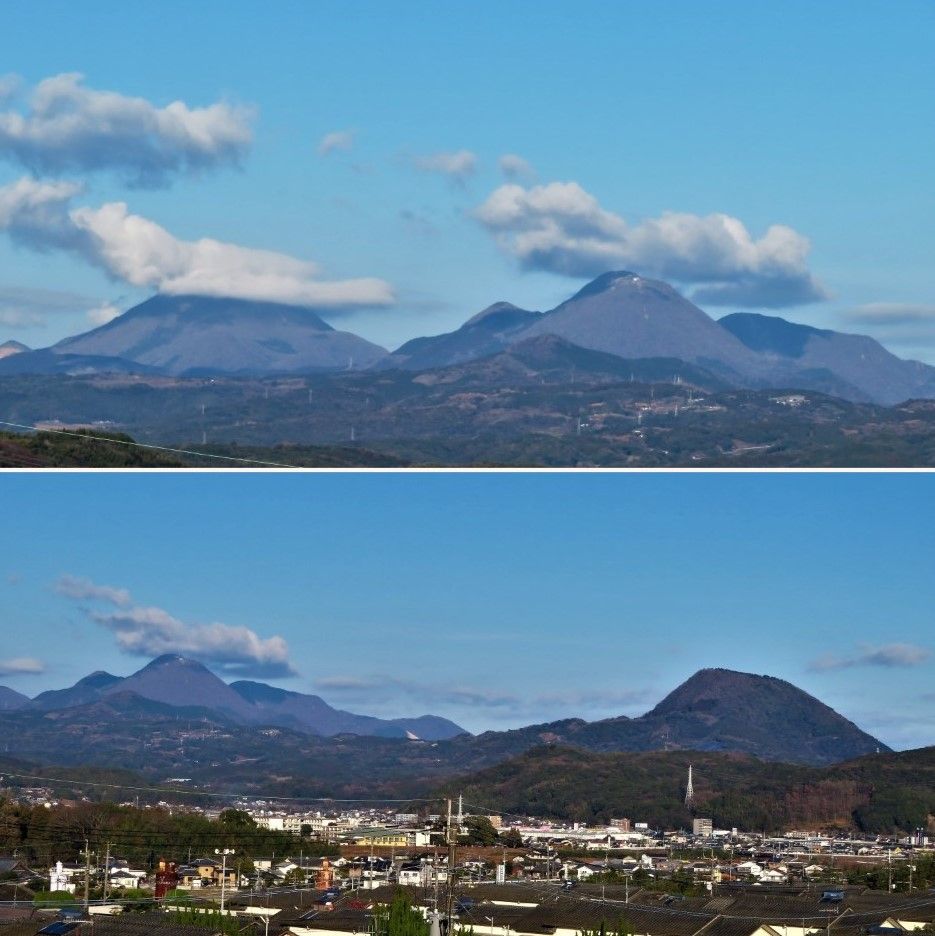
689	791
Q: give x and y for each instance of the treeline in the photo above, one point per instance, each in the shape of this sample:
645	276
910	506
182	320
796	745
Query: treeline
80	448
41	836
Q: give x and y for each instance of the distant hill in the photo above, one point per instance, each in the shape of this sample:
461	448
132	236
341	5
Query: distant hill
714	710
550	360
49	361
877	793
206	335
486	333
856	360
86	690
10	699
723	710
9	348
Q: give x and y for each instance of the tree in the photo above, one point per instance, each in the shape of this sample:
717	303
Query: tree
399	918
236	819
511	838
621	928
480	831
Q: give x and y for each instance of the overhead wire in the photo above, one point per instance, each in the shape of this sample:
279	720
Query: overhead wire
146	445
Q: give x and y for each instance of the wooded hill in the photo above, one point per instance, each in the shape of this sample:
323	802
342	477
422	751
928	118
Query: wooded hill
877	793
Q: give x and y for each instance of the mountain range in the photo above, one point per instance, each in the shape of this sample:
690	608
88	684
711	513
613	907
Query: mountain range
619	313
715	710
174	681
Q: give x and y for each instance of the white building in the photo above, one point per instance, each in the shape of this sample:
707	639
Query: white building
62	878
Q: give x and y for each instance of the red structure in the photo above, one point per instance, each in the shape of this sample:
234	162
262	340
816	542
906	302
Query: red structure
167	878
325	877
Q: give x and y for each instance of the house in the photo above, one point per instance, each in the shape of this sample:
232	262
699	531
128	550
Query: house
62	877
410	874
206	872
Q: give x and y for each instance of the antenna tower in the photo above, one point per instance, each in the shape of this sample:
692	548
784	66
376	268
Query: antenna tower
689	791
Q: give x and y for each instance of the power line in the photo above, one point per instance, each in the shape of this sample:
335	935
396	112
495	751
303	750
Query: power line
145	445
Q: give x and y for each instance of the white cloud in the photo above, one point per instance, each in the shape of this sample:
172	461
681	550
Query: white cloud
70	126
102	314
561	228
140	252
21	666
151	631
74	586
342	140
888	656
458	166
515	167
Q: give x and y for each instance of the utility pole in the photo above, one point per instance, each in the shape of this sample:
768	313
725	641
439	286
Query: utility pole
451	873
87	874
106	871
223	852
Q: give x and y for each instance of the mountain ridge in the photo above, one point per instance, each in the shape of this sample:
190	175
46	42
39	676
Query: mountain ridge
175	681
713	710
634	317
619	312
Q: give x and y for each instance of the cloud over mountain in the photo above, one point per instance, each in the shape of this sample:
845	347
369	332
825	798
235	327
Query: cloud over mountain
21	666
71	127
83	589
135	250
888	656
152	631
561	228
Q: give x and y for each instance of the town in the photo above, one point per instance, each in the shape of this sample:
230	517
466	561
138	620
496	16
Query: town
457	869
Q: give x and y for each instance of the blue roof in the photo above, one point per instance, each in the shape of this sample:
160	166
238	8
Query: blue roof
59	928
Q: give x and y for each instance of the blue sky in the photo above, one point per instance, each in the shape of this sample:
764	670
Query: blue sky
367	138
495	599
